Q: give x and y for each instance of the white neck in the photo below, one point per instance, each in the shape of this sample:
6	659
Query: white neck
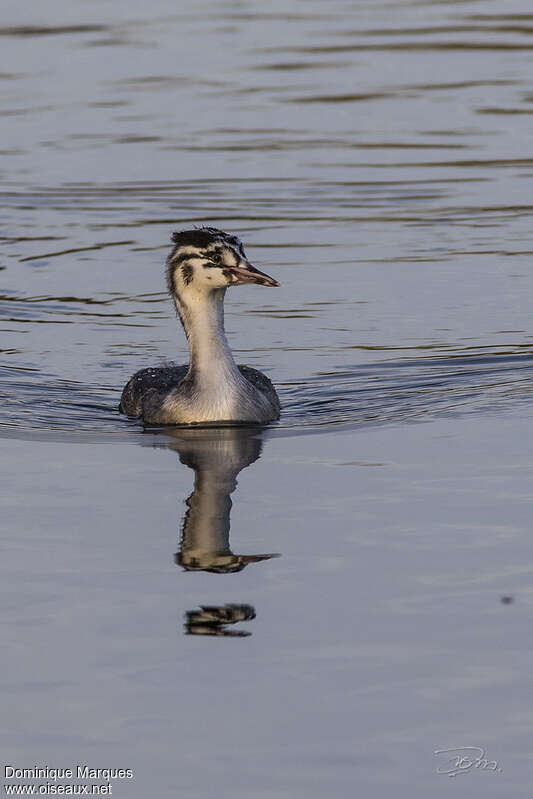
211	360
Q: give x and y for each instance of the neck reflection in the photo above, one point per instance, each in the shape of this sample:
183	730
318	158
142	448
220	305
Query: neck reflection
216	455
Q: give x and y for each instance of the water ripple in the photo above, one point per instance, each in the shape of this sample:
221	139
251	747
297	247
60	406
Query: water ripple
378	162
386	392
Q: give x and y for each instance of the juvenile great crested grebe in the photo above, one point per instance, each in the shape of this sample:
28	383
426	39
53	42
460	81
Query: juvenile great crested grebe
212	388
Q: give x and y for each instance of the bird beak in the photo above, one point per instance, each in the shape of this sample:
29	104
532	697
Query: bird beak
244	272
246	559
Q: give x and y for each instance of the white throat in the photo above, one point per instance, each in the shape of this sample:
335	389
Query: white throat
214	389
211	365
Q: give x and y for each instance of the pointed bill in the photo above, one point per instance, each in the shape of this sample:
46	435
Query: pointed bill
244	272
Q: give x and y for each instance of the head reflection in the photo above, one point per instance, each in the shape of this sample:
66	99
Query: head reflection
214	620
216	455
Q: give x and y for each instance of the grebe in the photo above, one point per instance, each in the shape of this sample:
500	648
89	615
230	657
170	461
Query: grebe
212	388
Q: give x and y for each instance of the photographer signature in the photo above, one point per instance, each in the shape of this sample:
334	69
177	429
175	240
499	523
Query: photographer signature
465	758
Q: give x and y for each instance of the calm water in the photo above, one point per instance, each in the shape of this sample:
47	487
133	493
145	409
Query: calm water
377	159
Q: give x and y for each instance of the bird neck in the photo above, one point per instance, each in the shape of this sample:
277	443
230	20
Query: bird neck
202	316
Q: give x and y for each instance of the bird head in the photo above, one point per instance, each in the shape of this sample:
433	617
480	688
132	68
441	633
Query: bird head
206	259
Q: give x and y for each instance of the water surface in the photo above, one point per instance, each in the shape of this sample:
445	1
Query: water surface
376	158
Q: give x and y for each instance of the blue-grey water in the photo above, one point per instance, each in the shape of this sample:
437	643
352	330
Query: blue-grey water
377	159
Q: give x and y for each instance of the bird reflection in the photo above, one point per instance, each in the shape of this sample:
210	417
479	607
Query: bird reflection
216	455
214	620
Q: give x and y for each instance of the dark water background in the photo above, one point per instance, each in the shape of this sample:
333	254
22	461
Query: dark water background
377	159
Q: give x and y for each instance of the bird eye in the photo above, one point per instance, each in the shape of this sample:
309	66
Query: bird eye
216	258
